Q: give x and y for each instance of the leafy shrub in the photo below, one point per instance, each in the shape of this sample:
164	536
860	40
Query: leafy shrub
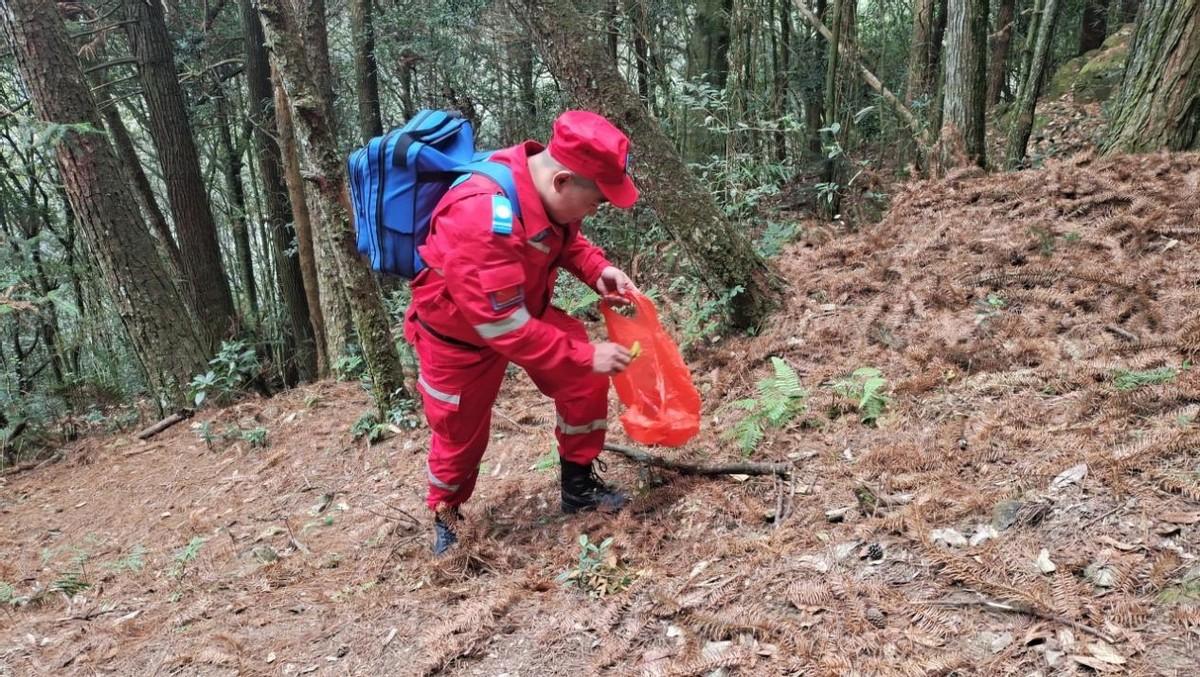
235	365
598	572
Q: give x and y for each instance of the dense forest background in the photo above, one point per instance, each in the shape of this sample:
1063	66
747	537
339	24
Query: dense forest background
173	223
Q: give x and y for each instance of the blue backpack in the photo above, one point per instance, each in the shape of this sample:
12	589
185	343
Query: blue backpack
397	179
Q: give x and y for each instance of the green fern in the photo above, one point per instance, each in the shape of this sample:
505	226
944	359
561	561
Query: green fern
1125	379
865	387
780	399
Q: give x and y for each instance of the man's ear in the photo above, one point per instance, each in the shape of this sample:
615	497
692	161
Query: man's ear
561	178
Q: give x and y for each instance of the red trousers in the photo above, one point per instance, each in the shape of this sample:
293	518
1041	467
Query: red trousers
459	386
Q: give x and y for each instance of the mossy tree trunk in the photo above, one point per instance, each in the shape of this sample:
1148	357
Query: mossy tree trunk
327	170
724	257
1158	106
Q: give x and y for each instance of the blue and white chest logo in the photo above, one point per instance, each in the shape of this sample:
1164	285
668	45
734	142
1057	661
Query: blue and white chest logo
502	216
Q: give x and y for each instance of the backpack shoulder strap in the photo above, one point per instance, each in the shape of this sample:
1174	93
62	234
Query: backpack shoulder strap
500	175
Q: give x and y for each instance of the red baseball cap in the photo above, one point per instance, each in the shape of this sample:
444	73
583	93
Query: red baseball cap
593	148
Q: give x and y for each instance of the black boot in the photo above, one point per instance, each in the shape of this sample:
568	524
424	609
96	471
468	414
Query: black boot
583	490
443	530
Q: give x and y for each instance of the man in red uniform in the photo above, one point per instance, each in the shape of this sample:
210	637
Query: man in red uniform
484	301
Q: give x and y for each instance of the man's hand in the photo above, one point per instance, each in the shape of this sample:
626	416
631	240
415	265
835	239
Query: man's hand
614	282
610	358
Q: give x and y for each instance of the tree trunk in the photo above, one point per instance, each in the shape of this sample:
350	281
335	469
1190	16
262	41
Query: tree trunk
921	73
611	30
781	61
1129	10
366	78
172	134
639	28
328	169
237	202
722	254
1022	119
304	230
937	65
1002	40
132	168
1093	25
152	310
1158	106
966	83
814	95
275	196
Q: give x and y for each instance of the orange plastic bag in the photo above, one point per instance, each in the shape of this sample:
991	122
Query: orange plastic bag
661	404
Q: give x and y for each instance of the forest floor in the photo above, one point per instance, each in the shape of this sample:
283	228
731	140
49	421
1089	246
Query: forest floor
1035	477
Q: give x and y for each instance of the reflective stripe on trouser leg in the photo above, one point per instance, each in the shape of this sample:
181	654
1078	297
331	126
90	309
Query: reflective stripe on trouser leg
459	388
580	398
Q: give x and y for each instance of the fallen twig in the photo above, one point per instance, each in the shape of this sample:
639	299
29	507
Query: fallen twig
638	456
1032	611
162	425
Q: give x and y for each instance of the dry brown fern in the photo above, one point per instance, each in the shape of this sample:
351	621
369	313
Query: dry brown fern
806	594
753	619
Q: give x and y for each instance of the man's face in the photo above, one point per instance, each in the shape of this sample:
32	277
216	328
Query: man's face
574	198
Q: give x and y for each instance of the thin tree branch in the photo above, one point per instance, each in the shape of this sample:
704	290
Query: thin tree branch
638	456
848	50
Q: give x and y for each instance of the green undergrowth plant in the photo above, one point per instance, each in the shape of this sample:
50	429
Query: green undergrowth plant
402	416
1126	380
865	388
780	399
599	572
234	366
185	556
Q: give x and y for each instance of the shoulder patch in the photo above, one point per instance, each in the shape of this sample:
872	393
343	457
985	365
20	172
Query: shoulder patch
502	216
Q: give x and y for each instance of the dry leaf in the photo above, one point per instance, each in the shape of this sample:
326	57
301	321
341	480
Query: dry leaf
1119	545
1095	663
1072	475
1181	517
1044	563
1106	653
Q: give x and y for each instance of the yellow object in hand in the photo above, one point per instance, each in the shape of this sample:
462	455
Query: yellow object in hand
635	350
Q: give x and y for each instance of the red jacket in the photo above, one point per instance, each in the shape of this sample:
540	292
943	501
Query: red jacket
490	279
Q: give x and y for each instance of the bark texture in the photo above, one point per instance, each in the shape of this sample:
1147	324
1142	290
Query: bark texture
721	253
1158	106
326	168
963	107
155	314
172	134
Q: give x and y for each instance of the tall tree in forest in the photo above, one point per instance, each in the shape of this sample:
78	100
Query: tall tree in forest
1001	40
172	134
964	105
232	169
328	168
321	288
722	254
1022	114
1158	106
270	167
151	308
366	78
1093	25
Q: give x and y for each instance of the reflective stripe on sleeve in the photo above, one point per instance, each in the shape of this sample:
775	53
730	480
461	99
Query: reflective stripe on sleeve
568	429
437	394
491	330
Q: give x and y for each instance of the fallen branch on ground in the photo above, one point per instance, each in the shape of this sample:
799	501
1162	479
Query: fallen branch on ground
638	456
162	425
1032	611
